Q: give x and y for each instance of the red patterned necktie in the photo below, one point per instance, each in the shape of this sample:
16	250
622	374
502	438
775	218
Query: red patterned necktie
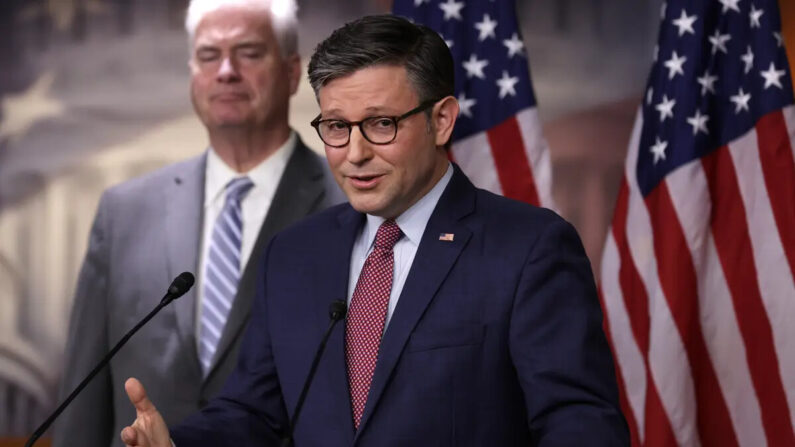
366	316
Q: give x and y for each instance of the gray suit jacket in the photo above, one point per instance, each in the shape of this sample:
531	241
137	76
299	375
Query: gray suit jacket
146	232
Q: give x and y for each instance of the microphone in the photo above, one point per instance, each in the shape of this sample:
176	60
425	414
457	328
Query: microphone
336	312
178	287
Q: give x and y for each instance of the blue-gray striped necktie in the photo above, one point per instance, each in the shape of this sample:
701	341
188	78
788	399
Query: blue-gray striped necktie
222	270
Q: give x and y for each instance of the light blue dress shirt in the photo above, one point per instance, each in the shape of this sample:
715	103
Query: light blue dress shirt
412	223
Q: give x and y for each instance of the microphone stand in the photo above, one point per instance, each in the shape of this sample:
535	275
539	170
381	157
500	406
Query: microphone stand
168	298
336	313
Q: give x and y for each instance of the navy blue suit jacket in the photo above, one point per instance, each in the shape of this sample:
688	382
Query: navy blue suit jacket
496	341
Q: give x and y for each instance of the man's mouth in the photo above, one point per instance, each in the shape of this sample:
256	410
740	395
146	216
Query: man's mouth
230	96
365	181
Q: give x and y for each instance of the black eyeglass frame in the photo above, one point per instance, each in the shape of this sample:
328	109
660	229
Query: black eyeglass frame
395	120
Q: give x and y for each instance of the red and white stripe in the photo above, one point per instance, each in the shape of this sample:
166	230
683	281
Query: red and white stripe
698	287
511	159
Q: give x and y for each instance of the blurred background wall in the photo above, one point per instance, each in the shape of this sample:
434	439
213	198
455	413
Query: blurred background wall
93	92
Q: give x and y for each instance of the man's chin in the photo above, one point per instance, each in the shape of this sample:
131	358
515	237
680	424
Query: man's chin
231	123
371	207
365	206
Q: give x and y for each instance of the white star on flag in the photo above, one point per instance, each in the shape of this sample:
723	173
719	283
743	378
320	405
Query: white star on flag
740	101
707	83
514	45
772	76
465	104
506	84
486	28
729	4
419	2
699	122
649	95
718	41
748	58
685	23
666	108
674	65
447	42
452	9
755	15
475	66
658	149
777	35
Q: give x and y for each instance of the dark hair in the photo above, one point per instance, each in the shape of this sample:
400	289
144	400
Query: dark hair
386	40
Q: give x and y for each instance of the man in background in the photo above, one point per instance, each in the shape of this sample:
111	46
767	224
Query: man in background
211	215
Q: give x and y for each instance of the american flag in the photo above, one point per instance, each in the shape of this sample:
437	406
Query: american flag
697	271
497	140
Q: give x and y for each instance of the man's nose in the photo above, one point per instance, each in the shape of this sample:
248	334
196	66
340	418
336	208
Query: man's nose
228	72
359	149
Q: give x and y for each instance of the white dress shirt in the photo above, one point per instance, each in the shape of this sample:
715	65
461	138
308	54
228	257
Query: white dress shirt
412	223
254	206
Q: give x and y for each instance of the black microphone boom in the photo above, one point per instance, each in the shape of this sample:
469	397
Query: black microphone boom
336	312
178	287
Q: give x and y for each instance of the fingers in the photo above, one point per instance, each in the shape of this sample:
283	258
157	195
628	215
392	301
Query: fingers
149	428
137	395
129	436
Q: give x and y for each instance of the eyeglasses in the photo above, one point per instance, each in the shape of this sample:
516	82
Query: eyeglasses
375	129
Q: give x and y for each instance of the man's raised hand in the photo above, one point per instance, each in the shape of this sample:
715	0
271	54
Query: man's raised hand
149	429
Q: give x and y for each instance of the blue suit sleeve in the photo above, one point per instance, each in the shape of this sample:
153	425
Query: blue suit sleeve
559	348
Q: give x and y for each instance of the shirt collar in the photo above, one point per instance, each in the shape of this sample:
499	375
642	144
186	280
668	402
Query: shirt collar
219	174
414	220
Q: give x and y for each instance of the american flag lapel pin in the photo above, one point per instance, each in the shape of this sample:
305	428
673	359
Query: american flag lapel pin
446	237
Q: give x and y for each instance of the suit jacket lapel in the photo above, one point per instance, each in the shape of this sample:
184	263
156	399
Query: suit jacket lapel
433	261
300	191
183	214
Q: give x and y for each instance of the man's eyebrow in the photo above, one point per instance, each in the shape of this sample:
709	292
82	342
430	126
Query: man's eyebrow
251	44
244	44
207	47
371	111
331	115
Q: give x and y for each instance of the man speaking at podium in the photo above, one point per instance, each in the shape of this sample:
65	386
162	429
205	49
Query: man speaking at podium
472	319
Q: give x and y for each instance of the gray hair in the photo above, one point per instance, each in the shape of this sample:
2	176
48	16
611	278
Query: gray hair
386	40
282	14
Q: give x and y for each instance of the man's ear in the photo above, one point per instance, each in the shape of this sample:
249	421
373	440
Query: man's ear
444	115
294	72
